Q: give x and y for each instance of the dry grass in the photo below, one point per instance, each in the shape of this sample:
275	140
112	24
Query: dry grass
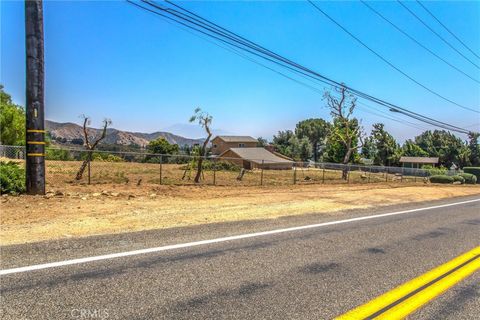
60	174
83	211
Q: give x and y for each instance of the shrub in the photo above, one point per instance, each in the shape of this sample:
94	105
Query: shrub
441	179
56	154
222	165
458	178
218	165
433	171
12	178
469	178
106	157
473	170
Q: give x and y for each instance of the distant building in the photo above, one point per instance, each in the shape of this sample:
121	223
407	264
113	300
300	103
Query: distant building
418	162
243	151
220	144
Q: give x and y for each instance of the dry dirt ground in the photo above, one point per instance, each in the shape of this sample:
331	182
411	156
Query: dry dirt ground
106	209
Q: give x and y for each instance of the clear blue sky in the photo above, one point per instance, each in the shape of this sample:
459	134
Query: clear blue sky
110	59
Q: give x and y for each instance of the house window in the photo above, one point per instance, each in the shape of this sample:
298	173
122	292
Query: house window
241	145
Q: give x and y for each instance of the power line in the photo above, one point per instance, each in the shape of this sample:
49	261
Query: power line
445	27
437	34
229	38
253	45
388	62
416	41
391	117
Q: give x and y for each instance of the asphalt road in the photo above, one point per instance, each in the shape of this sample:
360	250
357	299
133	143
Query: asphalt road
315	273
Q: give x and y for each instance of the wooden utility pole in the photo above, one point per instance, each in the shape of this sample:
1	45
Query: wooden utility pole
35	124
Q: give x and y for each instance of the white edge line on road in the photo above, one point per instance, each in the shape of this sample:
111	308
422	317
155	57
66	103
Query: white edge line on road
217	240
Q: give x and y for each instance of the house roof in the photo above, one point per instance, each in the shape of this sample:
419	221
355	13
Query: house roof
419	160
236	138
256	155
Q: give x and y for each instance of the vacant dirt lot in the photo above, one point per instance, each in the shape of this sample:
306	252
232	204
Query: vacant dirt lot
61	175
104	209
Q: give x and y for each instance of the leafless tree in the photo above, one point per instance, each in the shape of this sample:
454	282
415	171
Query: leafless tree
90	146
204	120
345	128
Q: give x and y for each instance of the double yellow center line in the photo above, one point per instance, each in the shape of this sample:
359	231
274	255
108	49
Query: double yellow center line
408	297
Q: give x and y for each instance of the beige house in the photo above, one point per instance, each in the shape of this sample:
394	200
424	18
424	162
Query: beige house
220	144
243	151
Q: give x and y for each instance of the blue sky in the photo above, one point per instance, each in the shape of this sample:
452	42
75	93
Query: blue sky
110	59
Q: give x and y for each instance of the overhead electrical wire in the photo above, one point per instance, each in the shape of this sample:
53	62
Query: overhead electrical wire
381	114
322	79
446	28
436	33
416	41
387	61
199	24
264	50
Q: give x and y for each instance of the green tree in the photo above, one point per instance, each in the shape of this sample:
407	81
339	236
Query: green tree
385	146
464	155
288	144
281	142
316	131
369	149
12	121
442	144
411	149
346	133
305	149
162	146
474	148
336	150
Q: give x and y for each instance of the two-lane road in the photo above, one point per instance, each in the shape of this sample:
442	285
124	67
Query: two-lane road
315	272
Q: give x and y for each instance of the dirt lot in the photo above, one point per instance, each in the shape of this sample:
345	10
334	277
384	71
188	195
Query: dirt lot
61	175
115	208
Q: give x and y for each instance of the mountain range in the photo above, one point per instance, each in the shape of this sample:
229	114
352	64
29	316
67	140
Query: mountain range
68	132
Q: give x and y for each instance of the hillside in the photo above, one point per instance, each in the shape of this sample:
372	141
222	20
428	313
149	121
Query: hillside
66	132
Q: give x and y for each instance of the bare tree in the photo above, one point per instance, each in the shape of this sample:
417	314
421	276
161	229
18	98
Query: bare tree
345	128
204	120
90	146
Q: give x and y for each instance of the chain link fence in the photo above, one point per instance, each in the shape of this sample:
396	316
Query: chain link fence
135	168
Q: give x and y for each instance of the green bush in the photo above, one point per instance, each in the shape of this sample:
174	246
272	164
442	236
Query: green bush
12	178
56	154
218	165
106	157
473	170
469	178
458	178
433	171
441	179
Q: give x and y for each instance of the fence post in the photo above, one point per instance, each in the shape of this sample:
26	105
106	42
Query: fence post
348	173
261	174
214	171
386	174
161	163
369	173
294	173
323	174
415	174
